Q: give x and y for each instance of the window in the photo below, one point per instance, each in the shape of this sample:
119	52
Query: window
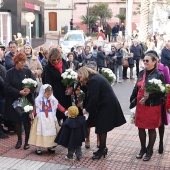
52	21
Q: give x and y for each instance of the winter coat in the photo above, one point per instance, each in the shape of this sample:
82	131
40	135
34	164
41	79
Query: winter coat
13	85
165	57
53	77
137	51
104	104
2	77
119	56
76	65
101	59
8	60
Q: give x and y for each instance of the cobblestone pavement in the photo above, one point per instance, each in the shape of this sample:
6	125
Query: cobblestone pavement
123	145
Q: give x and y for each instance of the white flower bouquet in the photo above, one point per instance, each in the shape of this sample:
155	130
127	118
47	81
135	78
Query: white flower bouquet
109	75
29	83
69	78
22	105
154	86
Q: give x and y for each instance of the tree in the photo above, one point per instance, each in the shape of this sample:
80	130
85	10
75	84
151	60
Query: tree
144	20
92	20
122	17
102	11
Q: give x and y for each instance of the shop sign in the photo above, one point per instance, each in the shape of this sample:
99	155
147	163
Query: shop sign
1	3
32	6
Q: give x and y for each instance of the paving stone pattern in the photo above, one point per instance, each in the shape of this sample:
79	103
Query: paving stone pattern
123	144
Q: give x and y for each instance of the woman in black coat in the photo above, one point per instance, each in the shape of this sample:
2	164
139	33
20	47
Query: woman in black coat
56	66
103	103
13	91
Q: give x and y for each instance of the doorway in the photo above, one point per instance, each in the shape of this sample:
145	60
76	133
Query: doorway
5	28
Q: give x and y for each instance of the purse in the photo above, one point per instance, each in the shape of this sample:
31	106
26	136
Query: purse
133	103
125	63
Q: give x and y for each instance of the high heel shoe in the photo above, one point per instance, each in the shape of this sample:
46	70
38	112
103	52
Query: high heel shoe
161	148
105	150
18	145
148	155
99	155
141	153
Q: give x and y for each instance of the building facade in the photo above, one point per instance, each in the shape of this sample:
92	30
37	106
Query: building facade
12	20
58	13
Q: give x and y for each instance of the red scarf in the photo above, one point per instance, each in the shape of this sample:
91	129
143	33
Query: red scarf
59	66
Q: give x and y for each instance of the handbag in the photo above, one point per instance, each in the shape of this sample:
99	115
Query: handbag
133	103
125	63
39	84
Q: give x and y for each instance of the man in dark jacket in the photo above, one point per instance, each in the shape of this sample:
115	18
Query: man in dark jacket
13	45
2	95
137	52
115	31
108	31
101	58
165	57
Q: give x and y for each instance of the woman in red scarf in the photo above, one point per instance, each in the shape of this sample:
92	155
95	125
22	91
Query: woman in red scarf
52	75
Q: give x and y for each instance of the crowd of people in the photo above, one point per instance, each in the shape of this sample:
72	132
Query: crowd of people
59	117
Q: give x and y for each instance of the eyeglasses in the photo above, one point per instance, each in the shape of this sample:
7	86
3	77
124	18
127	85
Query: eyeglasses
56	59
147	61
22	63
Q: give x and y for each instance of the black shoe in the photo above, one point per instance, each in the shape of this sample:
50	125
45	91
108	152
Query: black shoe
105	150
98	155
26	146
161	148
127	77
50	150
141	153
148	156
18	145
38	152
3	135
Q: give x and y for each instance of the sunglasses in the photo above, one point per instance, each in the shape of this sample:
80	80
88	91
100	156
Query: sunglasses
56	60
147	61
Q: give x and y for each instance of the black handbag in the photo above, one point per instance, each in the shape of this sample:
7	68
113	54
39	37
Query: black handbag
133	103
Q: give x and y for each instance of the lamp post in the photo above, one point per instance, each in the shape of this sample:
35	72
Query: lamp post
88	18
30	17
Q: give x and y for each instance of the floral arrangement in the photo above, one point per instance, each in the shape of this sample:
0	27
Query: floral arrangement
109	75
69	77
154	86
29	83
22	105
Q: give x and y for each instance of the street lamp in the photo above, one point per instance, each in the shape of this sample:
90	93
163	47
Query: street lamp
88	18
30	17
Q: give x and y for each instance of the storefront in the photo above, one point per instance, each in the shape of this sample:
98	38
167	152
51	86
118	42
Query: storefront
12	20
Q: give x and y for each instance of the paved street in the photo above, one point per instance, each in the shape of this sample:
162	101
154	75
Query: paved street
123	144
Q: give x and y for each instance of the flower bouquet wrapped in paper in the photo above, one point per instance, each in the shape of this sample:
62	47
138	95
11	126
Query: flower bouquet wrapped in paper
109	75
69	78
22	105
29	83
154	86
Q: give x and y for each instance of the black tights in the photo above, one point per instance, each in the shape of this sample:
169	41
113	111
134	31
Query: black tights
152	138
102	140
161	133
27	126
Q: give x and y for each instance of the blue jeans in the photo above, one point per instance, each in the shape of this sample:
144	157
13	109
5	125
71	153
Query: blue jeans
120	68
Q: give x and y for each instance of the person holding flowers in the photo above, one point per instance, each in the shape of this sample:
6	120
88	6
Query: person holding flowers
148	90
14	89
45	125
52	75
103	104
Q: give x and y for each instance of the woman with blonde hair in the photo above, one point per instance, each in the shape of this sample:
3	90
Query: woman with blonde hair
103	104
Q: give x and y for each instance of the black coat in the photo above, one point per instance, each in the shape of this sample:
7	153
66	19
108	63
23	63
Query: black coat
8	60
53	77
137	52
101	59
103	102
76	65
2	77
72	133
13	85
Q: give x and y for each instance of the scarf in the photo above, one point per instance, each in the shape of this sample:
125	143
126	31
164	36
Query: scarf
59	66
